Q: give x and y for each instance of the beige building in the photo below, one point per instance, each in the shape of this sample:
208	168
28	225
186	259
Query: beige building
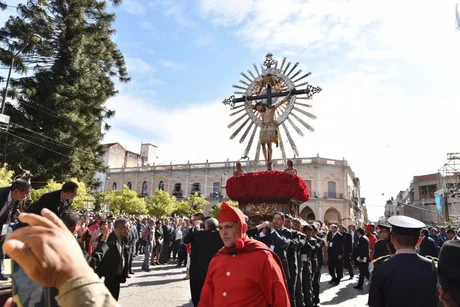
335	190
422	203
419	200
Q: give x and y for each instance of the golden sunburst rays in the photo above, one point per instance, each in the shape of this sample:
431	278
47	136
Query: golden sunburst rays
280	86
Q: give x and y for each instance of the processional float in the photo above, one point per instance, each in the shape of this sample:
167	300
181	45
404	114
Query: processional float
272	103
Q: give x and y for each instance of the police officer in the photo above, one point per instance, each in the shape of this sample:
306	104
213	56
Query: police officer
405	279
307	270
448	270
318	264
381	246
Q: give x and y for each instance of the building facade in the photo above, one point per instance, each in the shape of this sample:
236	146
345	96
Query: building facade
116	156
335	190
419	201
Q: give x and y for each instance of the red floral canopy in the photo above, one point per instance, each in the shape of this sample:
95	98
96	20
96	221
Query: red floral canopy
267	185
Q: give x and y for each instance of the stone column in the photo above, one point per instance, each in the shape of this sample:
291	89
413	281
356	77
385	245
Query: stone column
205	191
169	180
319	188
152	185
122	180
137	181
186	189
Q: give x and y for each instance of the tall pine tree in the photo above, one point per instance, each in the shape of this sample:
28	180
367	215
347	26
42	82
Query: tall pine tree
64	83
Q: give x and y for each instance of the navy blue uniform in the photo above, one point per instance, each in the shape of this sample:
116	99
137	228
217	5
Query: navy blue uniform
428	247
406	279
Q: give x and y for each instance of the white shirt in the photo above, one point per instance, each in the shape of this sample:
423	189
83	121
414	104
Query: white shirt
406	251
178	234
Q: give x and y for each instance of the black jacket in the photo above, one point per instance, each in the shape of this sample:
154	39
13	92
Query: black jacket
279	242
404	280
204	245
347	244
108	266
380	249
98	254
52	202
335	247
362	250
4	192
428	247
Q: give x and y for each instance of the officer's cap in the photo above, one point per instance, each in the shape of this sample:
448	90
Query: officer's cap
384	227
406	226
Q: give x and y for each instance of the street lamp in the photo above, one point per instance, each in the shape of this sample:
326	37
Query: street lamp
34	38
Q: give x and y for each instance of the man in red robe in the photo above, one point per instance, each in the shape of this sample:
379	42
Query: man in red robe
245	272
372	239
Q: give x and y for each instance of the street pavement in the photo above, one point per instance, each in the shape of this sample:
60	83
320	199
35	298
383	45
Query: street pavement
164	286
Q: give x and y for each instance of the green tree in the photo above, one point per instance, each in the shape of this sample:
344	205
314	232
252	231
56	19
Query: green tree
6	176
192	205
83	197
216	209
60	104
126	201
161	204
99	199
183	209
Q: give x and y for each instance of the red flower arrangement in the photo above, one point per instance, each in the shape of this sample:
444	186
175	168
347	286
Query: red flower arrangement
267	185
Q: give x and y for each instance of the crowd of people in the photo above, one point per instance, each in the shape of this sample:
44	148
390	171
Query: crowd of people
231	261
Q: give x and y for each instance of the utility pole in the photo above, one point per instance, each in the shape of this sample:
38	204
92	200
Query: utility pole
34	38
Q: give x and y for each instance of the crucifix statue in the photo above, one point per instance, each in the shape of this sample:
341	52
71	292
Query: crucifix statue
269	100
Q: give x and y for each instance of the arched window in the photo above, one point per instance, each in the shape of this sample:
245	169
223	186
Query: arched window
177	190
196	188
129	185
114	186
144	188
331	189
161	185
216	190
308	182
308	215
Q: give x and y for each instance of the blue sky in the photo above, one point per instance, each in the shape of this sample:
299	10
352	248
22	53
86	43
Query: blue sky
389	73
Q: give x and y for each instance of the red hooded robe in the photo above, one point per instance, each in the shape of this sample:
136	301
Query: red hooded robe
248	275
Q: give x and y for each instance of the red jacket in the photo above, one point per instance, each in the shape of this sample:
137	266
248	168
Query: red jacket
252	277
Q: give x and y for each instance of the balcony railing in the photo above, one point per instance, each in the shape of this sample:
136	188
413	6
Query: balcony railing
333	195
177	194
224	165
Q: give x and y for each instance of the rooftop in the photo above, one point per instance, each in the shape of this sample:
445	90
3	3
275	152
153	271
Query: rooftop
248	164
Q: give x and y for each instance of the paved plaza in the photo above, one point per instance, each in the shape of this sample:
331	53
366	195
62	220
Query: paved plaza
164	286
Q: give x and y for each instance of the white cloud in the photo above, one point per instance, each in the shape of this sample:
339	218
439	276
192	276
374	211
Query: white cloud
388	70
133	7
179	13
135	65
148	26
226	11
173	64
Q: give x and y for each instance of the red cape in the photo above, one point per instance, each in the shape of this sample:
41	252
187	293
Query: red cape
251	245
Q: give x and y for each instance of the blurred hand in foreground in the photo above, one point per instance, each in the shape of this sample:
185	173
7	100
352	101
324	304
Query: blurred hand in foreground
46	250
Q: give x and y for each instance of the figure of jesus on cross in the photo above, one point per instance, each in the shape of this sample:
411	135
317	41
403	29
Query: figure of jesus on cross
263	96
269	132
